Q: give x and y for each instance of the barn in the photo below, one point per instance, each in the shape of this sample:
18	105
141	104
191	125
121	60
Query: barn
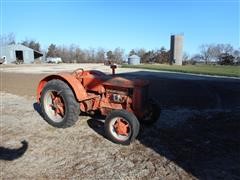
18	53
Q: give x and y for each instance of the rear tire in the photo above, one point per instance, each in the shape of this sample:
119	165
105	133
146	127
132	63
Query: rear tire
152	113
65	111
121	135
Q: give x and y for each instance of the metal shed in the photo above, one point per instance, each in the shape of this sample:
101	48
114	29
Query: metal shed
134	60
18	53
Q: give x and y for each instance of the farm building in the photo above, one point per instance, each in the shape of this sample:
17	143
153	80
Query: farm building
18	53
176	49
134	60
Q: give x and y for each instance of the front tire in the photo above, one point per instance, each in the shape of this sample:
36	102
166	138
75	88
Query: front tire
59	105
121	127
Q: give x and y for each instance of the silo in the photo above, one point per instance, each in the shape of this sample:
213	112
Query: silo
134	60
176	49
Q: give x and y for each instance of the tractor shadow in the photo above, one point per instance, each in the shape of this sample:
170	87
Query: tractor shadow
207	147
8	154
97	125
190	91
37	108
205	144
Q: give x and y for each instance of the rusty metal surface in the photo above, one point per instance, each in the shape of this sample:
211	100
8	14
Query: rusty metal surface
125	82
76	86
97	91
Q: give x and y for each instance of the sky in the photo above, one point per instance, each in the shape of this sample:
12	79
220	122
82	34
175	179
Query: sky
128	24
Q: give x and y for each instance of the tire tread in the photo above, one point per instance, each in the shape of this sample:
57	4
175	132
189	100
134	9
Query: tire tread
73	105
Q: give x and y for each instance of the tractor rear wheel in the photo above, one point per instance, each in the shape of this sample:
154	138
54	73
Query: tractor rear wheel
121	127
152	113
58	104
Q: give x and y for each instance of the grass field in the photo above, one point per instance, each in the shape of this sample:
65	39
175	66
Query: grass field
231	71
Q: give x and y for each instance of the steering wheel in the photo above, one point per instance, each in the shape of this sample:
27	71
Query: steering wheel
76	72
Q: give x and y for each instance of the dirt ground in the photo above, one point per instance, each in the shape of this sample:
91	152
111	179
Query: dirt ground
23	79
186	142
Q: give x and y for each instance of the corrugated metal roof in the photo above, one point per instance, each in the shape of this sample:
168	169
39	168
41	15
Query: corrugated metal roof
17	46
134	56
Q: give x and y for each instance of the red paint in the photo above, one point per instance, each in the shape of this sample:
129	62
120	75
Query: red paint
95	90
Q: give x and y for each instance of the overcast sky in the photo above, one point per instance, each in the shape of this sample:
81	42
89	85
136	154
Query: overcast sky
125	24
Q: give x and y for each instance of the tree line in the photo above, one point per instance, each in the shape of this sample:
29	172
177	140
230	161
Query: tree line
74	54
220	53
209	53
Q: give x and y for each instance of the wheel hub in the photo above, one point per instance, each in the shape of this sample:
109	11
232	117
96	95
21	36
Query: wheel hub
121	127
57	105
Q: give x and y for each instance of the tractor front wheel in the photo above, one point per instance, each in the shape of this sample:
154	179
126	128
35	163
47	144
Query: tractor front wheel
58	104
121	127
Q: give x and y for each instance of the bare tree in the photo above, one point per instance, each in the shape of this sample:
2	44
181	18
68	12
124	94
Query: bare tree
118	54
63	52
80	55
185	56
7	39
214	51
236	53
72	53
140	52
33	44
205	52
224	48
100	55
90	54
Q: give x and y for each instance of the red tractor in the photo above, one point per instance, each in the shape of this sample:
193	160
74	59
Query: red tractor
123	101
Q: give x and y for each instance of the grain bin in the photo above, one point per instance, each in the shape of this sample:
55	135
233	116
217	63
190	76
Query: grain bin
134	60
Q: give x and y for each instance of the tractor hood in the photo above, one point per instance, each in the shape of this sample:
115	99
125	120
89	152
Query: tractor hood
129	82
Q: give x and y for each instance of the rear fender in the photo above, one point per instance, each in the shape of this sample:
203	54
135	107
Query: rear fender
77	88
